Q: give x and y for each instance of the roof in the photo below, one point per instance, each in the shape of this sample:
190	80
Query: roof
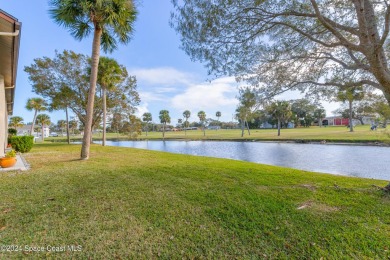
9	54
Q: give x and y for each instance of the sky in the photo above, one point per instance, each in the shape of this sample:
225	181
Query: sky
166	77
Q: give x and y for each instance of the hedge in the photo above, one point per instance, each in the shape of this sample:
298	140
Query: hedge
22	144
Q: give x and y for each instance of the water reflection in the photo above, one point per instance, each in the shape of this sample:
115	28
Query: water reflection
360	161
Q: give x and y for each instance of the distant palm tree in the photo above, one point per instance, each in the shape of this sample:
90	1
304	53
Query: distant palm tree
180	122
38	105
43	120
147	117
351	94
320	113
218	114
202	119
108	20
186	115
164	119
73	125
61	124
15	122
281	110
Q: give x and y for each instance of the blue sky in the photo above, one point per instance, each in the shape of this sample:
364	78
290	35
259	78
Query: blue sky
167	78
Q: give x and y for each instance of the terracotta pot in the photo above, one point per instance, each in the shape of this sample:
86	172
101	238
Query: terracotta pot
7	162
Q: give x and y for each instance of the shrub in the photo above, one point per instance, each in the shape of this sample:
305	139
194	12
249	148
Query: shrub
22	144
12	131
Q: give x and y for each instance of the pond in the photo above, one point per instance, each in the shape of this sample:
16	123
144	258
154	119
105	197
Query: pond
360	161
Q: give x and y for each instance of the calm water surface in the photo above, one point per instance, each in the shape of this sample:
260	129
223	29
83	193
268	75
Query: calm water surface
360	161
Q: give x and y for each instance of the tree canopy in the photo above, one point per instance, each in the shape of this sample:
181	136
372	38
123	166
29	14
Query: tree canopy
278	45
63	81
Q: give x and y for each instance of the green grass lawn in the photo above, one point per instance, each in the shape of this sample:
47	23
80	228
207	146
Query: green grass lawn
126	203
330	134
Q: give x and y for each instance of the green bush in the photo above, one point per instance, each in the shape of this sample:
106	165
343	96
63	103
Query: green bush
12	131
22	144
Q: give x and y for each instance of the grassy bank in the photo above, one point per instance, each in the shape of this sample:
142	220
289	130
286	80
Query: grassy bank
362	134
129	203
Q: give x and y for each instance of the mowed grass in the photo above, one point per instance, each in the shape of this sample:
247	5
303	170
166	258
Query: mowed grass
136	204
362	134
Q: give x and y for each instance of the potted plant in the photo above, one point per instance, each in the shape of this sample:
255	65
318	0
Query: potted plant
9	160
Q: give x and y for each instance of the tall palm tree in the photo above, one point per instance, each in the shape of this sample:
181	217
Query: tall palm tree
38	105
147	117
15	122
351	94
110	73
164	119
202	119
43	120
186	115
110	21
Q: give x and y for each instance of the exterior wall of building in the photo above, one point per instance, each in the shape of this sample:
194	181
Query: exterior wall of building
3	117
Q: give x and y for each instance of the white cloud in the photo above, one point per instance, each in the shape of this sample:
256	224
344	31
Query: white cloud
210	97
150	96
164	76
141	109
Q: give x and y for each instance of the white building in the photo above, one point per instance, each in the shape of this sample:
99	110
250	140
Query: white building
25	130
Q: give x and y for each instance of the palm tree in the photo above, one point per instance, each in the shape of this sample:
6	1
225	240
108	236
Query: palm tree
320	113
164	119
110	73
73	125
147	117
281	110
15	121
38	105
242	114
350	95
61	124
218	114
110	21
186	115
180	122
43	120
202	119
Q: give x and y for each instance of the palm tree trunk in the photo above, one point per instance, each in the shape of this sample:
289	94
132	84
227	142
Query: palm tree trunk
147	126
104	116
42	130
350	117
185	129
33	122
164	131
204	130
91	94
67	125
278	127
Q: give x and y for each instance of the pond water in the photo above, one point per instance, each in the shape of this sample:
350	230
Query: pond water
360	161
